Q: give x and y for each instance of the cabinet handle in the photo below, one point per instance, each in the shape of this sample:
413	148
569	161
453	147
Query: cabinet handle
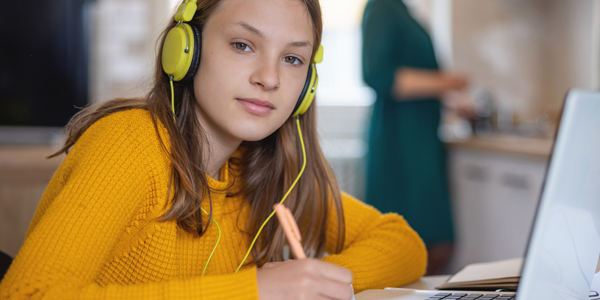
475	173
515	181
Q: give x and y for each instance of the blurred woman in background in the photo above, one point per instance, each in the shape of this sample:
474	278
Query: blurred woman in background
406	163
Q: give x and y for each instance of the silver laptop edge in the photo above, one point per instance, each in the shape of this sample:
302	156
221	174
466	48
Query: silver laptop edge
564	246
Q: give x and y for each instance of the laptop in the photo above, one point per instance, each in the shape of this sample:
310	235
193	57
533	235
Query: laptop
564	245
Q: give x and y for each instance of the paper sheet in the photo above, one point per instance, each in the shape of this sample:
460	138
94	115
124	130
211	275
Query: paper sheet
489	270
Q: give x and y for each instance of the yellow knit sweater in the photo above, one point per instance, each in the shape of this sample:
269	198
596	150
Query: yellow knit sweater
94	234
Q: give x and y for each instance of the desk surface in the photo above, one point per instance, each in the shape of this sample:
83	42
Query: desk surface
425	283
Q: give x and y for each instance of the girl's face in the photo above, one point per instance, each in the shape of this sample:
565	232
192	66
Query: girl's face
255	57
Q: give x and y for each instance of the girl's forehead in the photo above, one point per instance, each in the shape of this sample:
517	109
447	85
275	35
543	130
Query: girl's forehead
273	18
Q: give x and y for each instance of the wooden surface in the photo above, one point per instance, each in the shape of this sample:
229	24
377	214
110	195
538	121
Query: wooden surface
24	175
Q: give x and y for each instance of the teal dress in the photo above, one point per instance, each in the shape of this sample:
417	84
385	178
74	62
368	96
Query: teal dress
406	162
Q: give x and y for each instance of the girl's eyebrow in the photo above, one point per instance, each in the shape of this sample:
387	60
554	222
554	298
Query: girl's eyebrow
257	32
251	29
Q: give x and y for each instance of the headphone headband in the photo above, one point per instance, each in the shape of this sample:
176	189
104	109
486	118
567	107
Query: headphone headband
318	55
186	10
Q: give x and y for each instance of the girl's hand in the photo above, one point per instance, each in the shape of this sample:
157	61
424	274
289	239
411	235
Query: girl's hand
303	279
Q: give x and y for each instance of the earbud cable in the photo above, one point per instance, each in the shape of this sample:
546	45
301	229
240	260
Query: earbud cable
217	244
284	197
172	98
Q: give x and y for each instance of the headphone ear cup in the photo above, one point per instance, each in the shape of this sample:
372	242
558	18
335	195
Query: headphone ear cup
308	92
303	94
196	52
176	61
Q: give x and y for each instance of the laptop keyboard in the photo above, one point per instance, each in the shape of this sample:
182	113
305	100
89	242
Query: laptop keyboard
466	296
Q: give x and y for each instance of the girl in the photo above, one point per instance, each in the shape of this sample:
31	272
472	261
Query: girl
161	202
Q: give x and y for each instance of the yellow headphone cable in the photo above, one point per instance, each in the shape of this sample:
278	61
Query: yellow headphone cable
272	213
286	194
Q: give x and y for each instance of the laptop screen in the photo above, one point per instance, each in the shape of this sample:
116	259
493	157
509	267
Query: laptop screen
564	247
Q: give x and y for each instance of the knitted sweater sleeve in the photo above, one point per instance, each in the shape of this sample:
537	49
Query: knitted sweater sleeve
91	200
381	250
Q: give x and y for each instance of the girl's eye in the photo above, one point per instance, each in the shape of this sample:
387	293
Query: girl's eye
241	47
292	60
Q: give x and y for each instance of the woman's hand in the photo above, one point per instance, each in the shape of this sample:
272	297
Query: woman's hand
303	279
461	102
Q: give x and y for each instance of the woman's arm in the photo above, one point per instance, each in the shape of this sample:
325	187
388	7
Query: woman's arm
386	57
413	83
381	250
102	188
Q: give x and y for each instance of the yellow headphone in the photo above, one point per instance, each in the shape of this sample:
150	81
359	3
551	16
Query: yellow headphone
180	61
310	86
183	45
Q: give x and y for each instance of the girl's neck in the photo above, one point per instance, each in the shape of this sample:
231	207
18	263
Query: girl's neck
219	153
219	148
215	164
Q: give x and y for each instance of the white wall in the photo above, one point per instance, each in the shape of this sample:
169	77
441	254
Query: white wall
123	39
527	52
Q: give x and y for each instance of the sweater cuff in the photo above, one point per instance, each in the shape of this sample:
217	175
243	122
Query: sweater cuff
242	285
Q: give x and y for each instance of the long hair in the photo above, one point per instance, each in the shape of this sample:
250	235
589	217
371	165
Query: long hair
265	168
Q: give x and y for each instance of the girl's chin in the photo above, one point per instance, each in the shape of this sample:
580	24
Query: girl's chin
254	132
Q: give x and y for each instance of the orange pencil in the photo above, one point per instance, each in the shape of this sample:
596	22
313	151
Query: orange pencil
290	227
292	232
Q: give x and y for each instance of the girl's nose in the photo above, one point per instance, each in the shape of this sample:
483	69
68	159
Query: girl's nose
266	75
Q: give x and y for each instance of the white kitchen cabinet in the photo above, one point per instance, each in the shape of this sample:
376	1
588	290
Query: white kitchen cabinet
494	197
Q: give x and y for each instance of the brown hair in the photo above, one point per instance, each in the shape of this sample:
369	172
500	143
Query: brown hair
266	168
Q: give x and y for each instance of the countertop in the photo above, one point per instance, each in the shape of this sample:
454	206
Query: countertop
28	158
507	144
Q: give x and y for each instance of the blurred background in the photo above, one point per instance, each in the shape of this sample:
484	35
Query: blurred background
522	57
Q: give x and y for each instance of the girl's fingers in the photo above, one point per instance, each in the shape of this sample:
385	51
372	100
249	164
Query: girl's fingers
305	278
271	265
332	289
330	271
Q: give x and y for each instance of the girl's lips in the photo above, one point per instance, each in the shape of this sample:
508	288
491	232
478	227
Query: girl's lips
256	106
